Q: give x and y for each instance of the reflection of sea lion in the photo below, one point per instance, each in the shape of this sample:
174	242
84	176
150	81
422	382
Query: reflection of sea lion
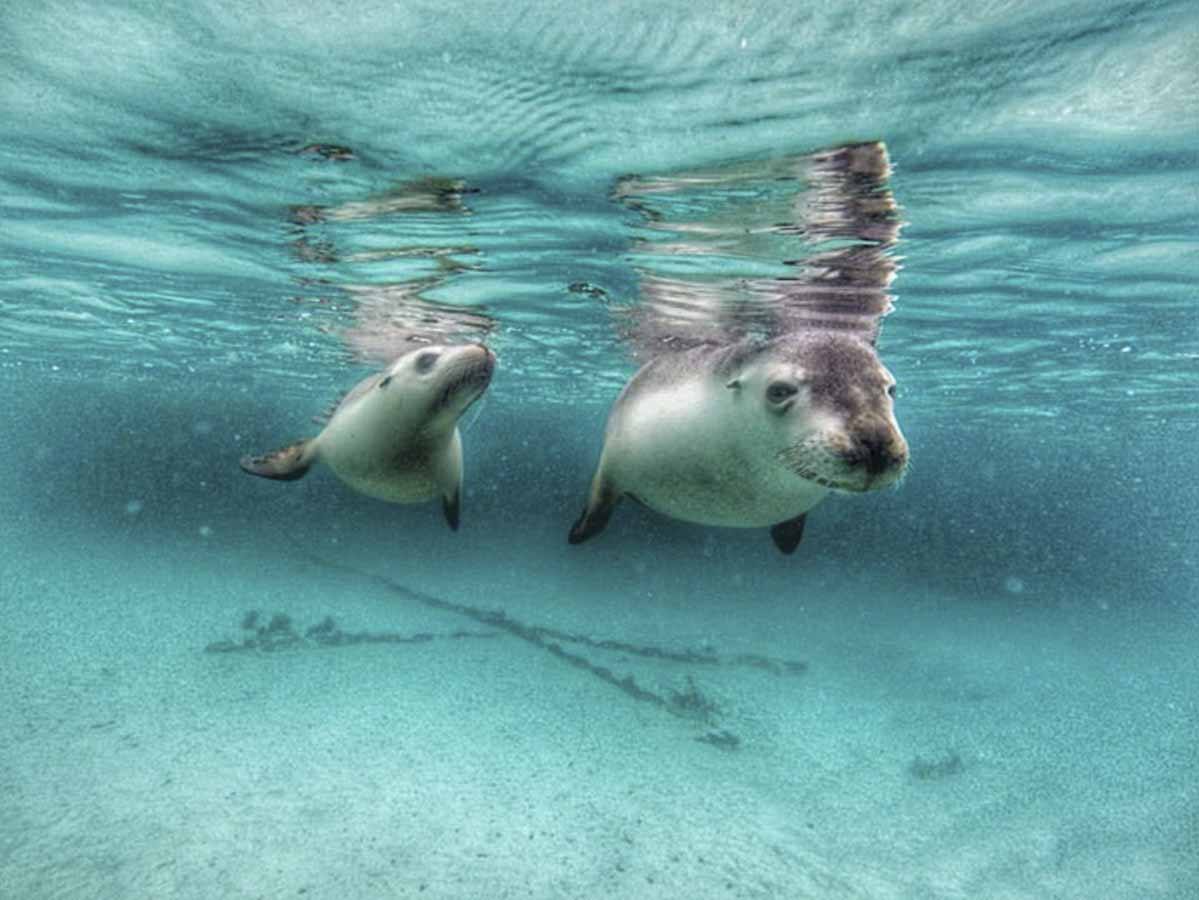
749	434
395	435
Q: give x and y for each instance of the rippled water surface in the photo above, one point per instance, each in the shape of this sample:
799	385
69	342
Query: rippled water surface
218	217
154	164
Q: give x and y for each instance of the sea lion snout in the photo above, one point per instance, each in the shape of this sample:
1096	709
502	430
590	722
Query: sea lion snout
882	454
479	365
465	375
877	452
488	361
479	359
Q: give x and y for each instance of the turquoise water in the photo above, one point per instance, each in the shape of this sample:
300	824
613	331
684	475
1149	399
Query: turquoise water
215	218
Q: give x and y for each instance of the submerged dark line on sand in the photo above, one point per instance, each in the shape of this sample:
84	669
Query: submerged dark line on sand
690	704
281	634
541	635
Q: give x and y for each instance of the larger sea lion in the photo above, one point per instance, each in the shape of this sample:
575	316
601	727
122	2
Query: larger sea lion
750	434
395	435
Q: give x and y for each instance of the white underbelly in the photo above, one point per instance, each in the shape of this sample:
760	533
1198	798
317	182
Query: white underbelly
716	497
392	487
684	462
380	464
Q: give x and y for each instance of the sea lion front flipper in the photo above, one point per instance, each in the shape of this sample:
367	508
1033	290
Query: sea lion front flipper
595	517
287	464
450	504
449	478
787	535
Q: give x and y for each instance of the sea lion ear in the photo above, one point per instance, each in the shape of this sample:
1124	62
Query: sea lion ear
734	384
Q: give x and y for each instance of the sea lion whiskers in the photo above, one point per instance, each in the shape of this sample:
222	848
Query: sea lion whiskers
804	459
461	374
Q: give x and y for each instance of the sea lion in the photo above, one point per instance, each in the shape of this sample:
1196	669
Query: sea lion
749	434
395	435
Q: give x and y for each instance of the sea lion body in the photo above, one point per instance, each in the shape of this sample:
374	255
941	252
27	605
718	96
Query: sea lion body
750	434
378	451
395	435
684	446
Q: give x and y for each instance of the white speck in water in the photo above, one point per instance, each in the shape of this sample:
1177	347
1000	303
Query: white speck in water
1013	585
133	507
744	43
205	531
447	57
1126	349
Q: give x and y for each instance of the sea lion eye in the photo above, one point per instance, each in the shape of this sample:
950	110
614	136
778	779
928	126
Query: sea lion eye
385	382
425	362
891	392
780	391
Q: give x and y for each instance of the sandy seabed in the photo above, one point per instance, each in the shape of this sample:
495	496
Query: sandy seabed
160	742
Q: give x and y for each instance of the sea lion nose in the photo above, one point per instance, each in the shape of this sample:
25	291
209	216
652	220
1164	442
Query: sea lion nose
876	451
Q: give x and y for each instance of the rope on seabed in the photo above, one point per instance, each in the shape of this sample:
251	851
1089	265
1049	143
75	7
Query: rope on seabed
690	704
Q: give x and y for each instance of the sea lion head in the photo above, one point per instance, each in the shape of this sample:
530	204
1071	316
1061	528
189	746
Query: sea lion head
823	403
439	381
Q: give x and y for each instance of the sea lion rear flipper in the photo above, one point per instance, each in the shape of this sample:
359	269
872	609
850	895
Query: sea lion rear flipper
595	516
787	535
287	464
450	504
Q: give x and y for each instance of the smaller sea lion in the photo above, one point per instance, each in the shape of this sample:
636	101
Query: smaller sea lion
395	435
